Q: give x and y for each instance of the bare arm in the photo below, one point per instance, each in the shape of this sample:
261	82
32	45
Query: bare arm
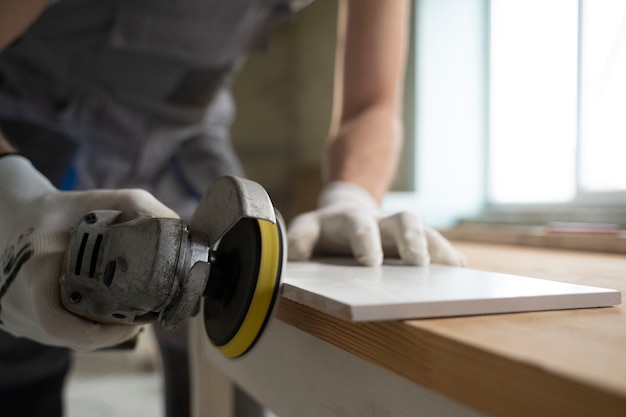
5	146
366	137
15	17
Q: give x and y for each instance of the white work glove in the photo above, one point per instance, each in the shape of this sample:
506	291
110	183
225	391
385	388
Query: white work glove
347	222
35	223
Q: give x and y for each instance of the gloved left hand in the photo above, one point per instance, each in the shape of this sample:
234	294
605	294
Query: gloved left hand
348	221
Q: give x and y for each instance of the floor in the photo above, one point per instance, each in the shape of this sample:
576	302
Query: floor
115	384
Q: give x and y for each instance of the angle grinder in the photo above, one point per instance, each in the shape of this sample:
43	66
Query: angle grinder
130	268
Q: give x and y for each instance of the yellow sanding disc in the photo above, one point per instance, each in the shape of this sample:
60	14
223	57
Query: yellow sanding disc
243	285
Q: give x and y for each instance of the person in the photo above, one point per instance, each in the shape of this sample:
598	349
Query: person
126	105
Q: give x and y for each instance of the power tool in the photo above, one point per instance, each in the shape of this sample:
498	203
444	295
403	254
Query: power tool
131	268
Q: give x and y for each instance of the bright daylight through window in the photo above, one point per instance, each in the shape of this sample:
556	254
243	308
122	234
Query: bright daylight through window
557	100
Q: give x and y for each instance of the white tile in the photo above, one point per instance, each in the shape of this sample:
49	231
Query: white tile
338	287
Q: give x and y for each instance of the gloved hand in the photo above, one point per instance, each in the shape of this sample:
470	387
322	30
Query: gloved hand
347	221
35	223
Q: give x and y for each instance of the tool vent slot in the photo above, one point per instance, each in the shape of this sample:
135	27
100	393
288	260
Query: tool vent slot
109	273
81	254
94	256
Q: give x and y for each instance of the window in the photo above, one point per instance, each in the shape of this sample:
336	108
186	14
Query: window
519	113
532	100
557	102
603	96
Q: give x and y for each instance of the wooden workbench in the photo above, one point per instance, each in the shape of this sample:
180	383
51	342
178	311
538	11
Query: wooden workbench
557	363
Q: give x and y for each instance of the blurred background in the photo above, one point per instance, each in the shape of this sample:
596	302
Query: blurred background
512	108
515	120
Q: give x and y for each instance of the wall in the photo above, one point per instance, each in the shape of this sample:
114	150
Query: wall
284	98
449	89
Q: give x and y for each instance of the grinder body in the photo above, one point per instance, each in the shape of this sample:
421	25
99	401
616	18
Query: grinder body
131	268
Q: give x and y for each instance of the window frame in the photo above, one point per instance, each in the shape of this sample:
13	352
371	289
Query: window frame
585	206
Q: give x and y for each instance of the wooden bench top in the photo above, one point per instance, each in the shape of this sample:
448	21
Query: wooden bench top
570	362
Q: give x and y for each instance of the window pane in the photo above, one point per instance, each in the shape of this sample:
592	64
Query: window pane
533	100
603	96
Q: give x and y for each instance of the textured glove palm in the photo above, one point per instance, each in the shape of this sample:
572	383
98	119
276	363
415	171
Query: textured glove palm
347	221
35	221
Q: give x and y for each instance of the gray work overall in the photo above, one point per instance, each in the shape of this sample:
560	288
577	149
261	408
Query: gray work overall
124	94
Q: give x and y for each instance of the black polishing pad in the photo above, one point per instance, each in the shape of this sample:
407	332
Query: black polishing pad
243	285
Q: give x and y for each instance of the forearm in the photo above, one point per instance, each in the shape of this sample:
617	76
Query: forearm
366	137
357	154
16	16
5	146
